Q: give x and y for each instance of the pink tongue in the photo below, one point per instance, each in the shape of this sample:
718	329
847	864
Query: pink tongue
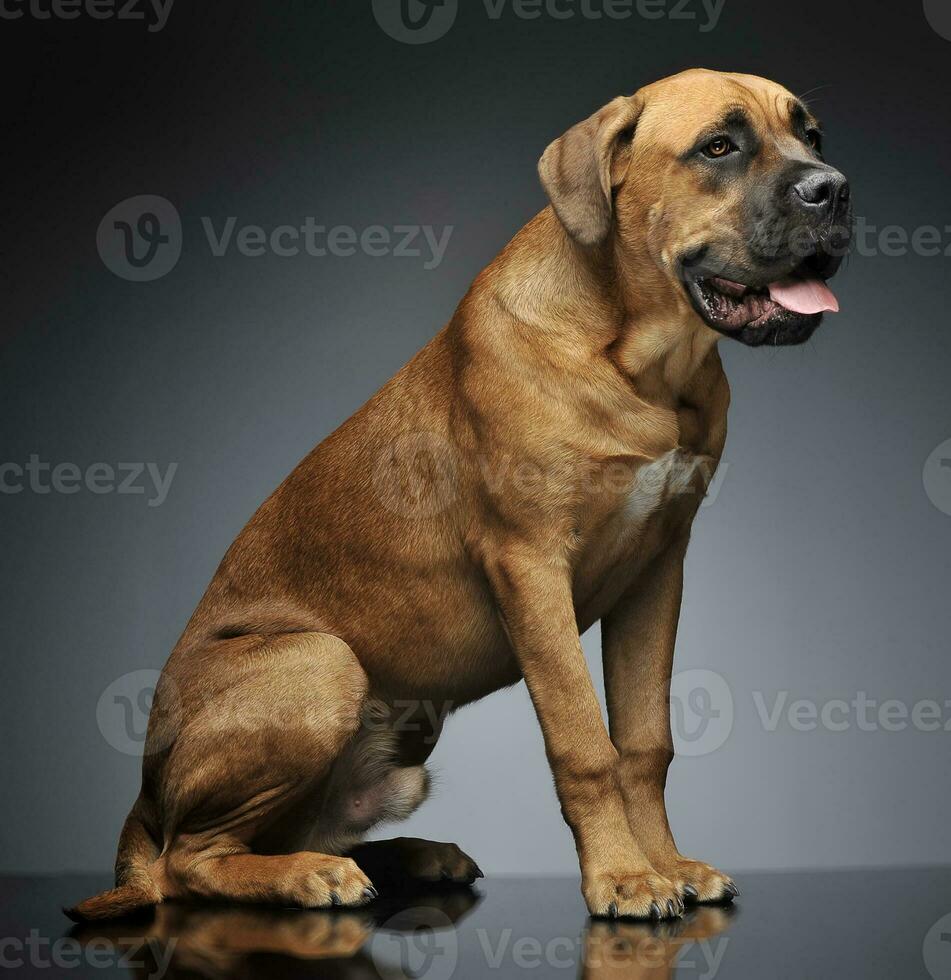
804	296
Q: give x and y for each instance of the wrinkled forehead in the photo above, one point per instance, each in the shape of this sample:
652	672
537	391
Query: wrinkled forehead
681	109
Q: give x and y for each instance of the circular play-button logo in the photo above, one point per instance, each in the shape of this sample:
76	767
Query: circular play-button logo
140	239
416	21
936	949
701	712
936	477
417	942
415	475
938	15
125	706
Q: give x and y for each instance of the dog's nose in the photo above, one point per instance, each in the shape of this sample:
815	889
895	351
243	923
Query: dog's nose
821	191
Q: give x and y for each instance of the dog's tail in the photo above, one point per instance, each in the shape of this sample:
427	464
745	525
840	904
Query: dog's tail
127	899
136	889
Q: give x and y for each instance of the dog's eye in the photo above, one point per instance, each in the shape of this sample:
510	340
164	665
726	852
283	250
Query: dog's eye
719	147
813	138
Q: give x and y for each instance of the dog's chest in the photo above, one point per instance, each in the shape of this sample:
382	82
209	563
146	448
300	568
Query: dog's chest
661	483
634	519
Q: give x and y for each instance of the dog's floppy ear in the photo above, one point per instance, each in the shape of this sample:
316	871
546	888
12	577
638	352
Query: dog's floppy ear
578	171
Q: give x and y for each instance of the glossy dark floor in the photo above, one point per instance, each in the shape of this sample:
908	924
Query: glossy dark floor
862	924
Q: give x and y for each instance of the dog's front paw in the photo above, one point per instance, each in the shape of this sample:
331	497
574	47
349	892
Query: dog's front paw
635	895
699	882
324	880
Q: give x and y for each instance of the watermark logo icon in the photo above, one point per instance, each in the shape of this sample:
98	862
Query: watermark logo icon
140	239
938	15
701	712
124	707
416	21
415	475
936	477
418	942
936	949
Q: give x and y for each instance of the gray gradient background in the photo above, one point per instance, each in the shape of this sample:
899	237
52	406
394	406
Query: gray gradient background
821	569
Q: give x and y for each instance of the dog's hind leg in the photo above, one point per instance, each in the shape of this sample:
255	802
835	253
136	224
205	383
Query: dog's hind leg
244	780
253	727
405	859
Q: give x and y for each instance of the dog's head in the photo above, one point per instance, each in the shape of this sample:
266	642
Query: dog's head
716	184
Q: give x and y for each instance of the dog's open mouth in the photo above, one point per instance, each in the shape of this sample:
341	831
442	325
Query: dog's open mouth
734	306
731	307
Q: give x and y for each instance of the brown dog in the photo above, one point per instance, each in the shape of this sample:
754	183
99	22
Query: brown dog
534	469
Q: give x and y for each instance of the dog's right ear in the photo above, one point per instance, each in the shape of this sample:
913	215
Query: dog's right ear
579	171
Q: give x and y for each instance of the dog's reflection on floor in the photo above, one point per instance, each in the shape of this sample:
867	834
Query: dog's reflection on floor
410	935
217	942
642	951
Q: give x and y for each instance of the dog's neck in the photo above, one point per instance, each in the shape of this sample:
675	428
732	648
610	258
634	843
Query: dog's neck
577	296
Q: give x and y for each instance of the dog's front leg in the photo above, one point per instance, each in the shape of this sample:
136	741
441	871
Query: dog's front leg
638	638
535	601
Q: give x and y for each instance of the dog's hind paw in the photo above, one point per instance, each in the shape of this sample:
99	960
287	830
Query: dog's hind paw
427	860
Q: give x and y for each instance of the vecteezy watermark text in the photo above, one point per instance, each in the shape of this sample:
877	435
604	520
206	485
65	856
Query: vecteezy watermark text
416	477
423	21
319	241
704	13
154	13
141	239
41	477
422	943
859	712
148	957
